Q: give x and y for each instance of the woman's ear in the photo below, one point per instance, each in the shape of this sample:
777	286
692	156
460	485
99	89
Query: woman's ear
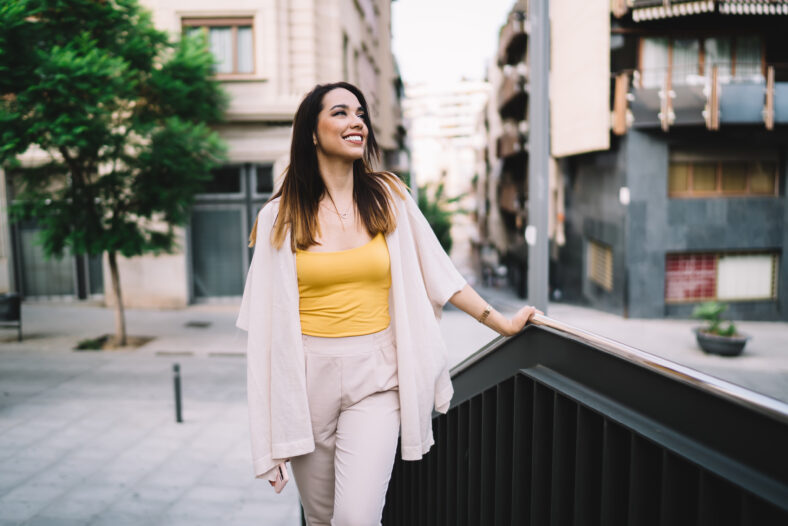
314	139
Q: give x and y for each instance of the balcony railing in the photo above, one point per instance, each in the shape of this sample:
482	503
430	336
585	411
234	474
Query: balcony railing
682	96
513	94
560	426
511	142
513	39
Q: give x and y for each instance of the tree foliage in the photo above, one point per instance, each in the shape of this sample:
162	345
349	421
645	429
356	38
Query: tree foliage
438	210
122	112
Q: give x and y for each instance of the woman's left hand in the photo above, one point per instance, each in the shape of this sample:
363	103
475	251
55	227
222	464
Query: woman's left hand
522	317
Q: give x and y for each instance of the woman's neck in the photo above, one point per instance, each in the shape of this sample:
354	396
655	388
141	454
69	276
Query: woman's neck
338	177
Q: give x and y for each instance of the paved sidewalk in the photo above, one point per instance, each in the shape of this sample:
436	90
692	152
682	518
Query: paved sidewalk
89	438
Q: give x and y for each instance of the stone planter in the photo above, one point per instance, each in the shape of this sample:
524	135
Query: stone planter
722	345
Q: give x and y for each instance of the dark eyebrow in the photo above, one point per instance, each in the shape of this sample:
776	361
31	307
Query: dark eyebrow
344	106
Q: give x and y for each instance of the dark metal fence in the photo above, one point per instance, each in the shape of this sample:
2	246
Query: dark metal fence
557	426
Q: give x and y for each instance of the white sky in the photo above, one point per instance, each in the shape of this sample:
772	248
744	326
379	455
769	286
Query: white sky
440	40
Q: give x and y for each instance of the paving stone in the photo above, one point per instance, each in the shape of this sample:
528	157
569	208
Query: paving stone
46	520
19	510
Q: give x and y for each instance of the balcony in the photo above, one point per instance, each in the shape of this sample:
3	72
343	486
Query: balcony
513	39
513	94
684	97
510	143
560	426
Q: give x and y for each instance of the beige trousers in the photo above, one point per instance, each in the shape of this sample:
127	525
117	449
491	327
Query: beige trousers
354	406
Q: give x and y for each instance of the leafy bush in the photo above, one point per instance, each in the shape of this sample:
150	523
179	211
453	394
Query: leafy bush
438	211
711	312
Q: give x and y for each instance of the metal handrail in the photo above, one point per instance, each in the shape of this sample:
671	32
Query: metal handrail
739	395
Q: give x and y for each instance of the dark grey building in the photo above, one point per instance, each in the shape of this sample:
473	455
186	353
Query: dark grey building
689	202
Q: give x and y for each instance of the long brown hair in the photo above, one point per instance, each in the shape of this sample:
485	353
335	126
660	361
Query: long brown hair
303	187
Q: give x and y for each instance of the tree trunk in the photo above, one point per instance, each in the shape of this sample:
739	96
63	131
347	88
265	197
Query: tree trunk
120	320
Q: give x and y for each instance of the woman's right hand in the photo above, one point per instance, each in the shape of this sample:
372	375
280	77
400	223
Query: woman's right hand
518	321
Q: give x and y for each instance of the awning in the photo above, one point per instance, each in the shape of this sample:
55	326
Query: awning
753	7
656	9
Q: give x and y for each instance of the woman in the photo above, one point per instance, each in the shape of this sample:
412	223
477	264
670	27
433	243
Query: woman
341	303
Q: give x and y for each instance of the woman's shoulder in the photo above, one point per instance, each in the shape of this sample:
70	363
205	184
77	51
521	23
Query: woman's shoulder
270	209
394	185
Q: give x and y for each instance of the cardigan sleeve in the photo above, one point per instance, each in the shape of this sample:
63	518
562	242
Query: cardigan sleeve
256	305
265	222
441	279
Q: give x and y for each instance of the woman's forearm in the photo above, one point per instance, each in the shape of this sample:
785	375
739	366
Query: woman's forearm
469	301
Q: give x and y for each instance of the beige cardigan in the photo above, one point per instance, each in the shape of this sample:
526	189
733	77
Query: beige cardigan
423	279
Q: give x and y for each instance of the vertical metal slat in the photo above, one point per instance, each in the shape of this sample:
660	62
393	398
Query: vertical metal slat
440	474
615	470
522	439
645	472
487	477
563	462
452	494
719	503
462	464
504	419
679	491
541	454
588	468
474	460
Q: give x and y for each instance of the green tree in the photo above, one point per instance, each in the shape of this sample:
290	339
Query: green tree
438	209
121	111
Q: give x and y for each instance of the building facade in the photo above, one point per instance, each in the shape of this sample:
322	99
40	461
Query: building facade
502	194
688	204
668	129
269	54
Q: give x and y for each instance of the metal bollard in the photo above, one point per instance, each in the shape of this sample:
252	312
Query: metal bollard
176	371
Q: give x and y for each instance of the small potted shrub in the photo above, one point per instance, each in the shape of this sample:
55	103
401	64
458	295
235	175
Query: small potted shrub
718	337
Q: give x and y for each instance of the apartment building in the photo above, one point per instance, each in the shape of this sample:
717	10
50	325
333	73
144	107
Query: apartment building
269	54
668	127
502	195
446	139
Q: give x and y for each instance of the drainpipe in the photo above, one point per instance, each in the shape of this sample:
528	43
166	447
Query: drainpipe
539	154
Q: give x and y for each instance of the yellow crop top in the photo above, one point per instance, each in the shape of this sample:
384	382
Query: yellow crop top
344	293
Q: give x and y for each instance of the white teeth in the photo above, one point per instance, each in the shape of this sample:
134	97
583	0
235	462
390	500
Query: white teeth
354	138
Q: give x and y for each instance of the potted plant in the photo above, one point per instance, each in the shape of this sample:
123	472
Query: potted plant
717	337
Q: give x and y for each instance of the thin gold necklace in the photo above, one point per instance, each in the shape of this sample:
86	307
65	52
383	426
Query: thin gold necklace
341	215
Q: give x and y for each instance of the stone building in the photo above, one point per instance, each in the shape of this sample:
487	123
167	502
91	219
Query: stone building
269	53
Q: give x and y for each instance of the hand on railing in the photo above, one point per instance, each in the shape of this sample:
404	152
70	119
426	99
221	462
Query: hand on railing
521	318
469	301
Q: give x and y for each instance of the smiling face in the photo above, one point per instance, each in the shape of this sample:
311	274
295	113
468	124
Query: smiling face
341	130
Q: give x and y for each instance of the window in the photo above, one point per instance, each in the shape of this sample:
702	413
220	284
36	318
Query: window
229	39
685	59
345	48
654	61
226	180
600	265
691	59
264	179
717	51
725	277
722	178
